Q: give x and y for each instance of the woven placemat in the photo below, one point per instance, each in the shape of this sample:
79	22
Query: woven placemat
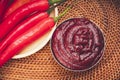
42	66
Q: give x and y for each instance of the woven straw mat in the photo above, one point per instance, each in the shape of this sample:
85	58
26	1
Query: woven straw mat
42	66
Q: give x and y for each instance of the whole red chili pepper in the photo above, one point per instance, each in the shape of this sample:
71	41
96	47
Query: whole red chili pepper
10	22
21	28
15	5
24	26
3	6
28	37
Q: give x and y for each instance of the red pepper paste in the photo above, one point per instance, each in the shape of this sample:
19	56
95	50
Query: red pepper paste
77	44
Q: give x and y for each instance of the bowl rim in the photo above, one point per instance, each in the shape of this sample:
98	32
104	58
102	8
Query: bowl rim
74	70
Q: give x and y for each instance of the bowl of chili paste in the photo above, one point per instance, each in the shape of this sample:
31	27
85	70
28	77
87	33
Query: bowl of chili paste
77	44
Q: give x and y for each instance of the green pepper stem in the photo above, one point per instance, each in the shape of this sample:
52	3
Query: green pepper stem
51	2
53	7
65	11
62	14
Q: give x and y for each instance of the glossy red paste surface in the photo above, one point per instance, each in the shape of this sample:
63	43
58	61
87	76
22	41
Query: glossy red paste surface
77	44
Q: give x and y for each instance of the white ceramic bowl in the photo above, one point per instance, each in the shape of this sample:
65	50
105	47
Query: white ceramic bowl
38	44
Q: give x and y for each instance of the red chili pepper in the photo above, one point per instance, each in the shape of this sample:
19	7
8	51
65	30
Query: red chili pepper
3	6
24	26
28	37
14	6
10	22
21	28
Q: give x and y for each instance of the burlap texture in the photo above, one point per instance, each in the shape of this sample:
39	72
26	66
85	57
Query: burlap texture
42	66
